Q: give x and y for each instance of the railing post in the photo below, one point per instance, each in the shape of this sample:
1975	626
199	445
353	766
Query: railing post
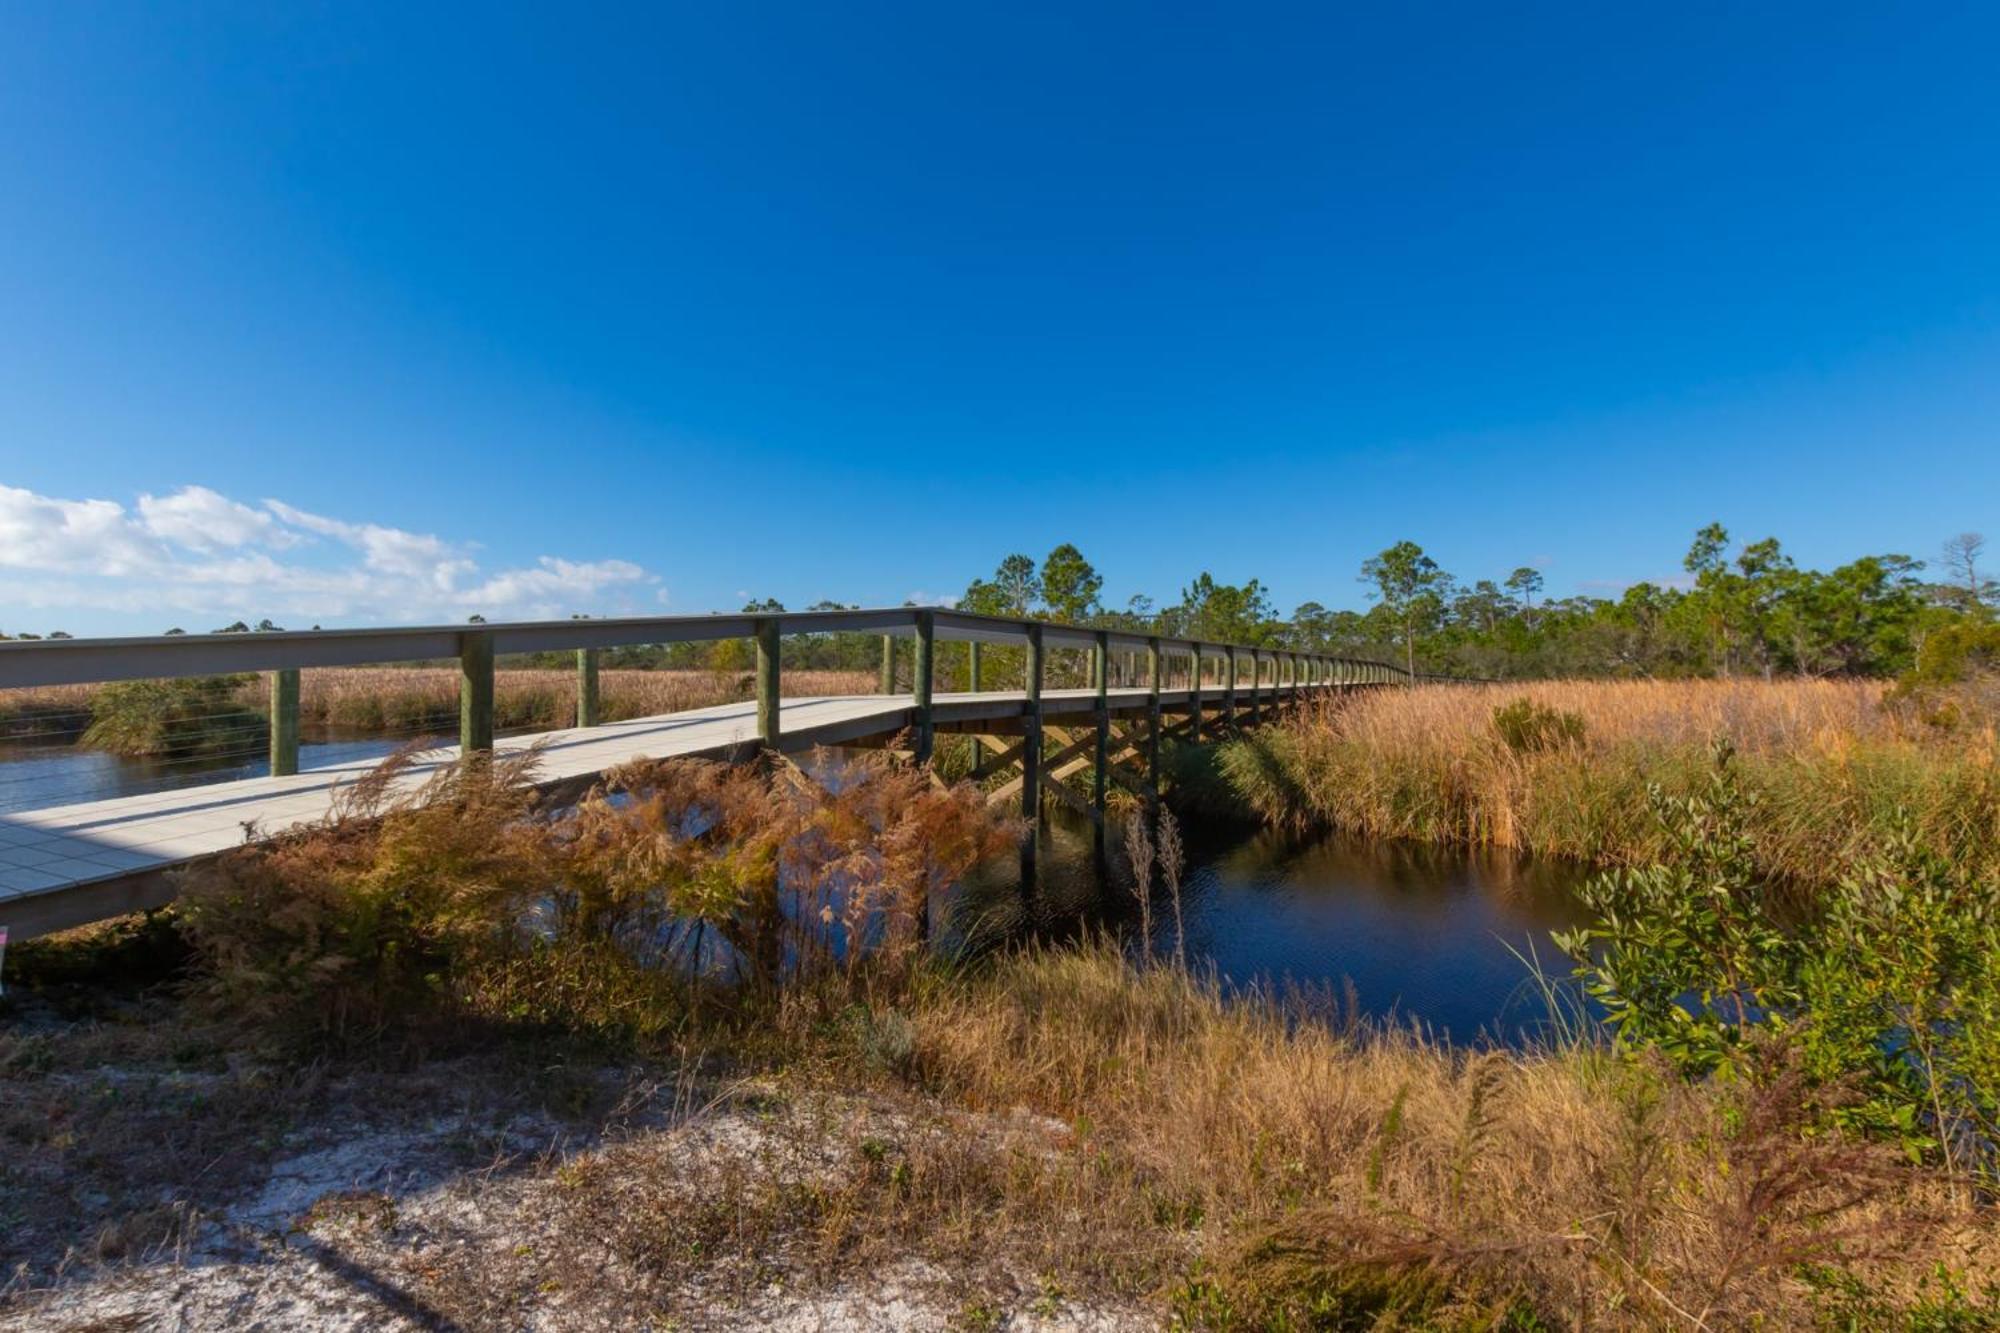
1256	686
769	677
586	687
888	664
475	692
1194	692
972	665
1229	685
1101	788
284	721
1153	718
921	682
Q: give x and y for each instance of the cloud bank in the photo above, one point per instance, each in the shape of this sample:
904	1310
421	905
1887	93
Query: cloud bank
196	554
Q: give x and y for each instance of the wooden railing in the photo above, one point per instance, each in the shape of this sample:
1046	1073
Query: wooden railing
476	646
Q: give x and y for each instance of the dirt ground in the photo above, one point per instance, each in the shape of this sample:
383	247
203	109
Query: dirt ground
155	1186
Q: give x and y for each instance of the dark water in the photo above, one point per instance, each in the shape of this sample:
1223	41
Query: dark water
1401	932
1395	932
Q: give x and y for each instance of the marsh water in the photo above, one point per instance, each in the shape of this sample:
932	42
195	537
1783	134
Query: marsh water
1396	932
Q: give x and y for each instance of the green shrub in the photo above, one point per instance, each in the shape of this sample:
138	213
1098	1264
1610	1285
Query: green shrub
1889	992
1956	653
1527	727
189	718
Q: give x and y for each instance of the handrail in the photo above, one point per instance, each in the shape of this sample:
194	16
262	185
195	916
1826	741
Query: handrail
284	653
89	661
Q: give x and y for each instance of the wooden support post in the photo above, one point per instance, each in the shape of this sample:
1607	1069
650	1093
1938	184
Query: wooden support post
769	673
1153	720
1031	754
284	721
1256	687
475	693
1101	784
921	682
972	665
586	687
888	665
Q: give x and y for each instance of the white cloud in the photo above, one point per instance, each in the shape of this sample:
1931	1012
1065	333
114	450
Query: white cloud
553	582
201	520
390	550
196	553
66	536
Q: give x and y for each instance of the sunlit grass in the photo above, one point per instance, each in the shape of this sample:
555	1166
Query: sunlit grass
1830	765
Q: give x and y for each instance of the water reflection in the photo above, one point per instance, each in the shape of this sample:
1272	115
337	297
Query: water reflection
35	777
1411	932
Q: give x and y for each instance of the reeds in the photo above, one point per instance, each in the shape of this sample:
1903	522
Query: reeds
392	700
1268	1168
384	701
1240	1160
1830	765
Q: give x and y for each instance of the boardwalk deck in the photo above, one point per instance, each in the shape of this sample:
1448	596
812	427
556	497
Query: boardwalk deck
68	865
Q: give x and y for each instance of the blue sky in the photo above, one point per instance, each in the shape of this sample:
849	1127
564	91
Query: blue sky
598	309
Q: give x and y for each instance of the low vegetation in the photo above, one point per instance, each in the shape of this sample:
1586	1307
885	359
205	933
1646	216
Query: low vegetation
225	715
195	718
1115	1126
1841	771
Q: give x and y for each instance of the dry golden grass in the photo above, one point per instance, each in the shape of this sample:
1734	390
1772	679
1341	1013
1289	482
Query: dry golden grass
410	700
45	711
1833	765
397	698
1317	1170
1231	1162
1786	716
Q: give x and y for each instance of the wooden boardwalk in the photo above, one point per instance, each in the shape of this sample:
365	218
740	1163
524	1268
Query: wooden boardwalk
69	865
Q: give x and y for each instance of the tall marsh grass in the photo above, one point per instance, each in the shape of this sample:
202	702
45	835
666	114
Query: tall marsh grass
1563	768
225	714
401	699
1240	1160
1269	1168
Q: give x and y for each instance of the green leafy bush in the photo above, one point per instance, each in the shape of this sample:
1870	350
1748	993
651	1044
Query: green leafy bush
1890	990
1684	955
188	718
1527	727
1956	653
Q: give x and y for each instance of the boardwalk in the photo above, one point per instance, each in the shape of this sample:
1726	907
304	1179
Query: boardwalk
73	864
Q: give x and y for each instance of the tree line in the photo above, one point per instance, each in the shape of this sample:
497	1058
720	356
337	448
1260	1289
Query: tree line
1746	609
1740	610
